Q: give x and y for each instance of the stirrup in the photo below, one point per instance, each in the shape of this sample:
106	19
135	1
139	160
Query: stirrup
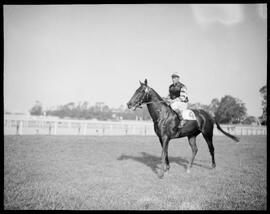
182	123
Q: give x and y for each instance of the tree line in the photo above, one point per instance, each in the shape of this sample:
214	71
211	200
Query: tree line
226	110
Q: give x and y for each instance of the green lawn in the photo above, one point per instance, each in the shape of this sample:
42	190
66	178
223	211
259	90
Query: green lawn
72	172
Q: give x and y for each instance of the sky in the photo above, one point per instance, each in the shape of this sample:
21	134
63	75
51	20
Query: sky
98	53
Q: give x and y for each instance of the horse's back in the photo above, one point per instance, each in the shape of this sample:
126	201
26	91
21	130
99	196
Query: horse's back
203	118
201	112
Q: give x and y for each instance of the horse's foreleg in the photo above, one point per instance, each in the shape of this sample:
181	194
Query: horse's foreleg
192	143
164	155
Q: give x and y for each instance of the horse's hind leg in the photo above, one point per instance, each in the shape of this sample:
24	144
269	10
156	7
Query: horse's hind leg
192	143
209	139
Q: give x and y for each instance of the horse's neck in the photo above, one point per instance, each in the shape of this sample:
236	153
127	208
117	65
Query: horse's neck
155	111
156	105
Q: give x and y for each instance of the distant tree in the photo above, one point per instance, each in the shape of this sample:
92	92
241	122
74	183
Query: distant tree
70	105
67	109
213	107
84	105
36	109
250	120
105	108
122	107
263	92
83	111
60	112
230	110
198	106
71	109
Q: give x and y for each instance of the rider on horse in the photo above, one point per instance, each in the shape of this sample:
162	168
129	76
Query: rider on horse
177	97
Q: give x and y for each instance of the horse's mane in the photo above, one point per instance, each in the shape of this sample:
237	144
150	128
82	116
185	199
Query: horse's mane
159	97
156	94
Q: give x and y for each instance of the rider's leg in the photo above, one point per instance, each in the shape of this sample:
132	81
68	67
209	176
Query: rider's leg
179	112
182	106
182	120
176	108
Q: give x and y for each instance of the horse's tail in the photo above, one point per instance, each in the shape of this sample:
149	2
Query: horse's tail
227	134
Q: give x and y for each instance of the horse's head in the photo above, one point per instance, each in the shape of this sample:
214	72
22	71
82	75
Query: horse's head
140	96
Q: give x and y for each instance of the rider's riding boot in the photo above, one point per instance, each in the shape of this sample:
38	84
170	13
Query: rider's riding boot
182	121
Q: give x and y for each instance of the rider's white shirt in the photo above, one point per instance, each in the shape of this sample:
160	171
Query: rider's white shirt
177	104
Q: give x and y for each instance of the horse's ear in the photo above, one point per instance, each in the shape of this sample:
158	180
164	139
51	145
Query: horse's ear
140	82
145	82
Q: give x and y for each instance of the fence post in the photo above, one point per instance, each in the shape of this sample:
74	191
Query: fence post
17	128
79	129
21	127
84	129
55	127
134	129
50	128
111	128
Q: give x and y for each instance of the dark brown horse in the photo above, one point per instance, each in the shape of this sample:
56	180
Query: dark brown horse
166	123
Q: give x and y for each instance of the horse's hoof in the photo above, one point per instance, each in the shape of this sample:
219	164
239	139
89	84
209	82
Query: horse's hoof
213	165
188	170
161	175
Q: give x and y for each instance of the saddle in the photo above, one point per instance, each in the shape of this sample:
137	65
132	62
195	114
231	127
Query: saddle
187	114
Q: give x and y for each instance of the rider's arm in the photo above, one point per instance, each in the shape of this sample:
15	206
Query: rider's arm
183	94
168	98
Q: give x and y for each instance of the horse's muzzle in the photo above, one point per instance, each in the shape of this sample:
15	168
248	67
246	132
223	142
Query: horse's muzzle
133	107
128	105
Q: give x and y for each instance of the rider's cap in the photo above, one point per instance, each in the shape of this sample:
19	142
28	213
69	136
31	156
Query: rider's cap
175	74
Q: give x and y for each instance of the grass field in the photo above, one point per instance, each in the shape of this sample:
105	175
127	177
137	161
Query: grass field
72	172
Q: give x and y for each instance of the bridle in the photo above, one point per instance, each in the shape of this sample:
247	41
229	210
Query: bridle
139	104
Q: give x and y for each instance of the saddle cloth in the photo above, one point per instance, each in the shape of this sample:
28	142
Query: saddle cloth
188	114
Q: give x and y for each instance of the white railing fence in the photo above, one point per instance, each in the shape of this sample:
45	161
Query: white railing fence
85	127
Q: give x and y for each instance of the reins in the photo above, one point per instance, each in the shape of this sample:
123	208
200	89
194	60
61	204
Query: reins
146	94
155	102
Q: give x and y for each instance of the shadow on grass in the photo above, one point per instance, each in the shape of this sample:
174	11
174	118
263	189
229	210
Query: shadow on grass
153	162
